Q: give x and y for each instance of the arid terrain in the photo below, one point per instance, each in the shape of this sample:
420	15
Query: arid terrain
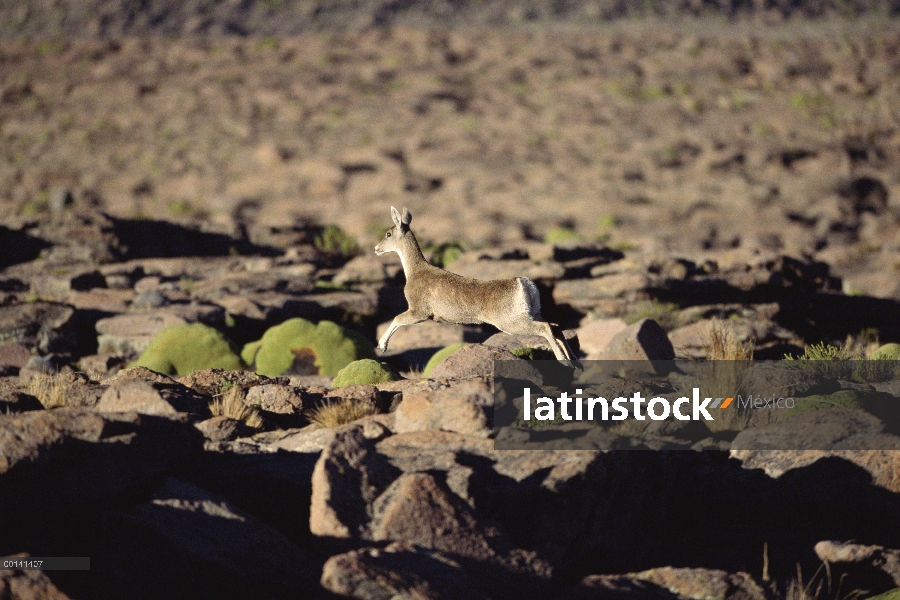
663	180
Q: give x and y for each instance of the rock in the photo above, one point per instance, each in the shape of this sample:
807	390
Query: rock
30	584
882	465
644	340
509	342
368	268
832	429
184	527
879	557
52	462
416	509
401	571
465	408
281	399
785	382
14	355
668	582
131	334
347	479
42	365
471	361
59	199
210	382
152	398
100	366
57	288
222	429
42	326
594	335
12	401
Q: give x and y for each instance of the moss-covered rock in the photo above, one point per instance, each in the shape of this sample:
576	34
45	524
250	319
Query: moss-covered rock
440	356
183	349
303	347
893	594
365	371
881	404
844	398
886	352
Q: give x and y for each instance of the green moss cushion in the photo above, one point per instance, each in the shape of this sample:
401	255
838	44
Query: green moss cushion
182	349
365	371
301	346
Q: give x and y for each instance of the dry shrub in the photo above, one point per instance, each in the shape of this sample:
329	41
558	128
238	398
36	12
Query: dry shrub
340	412
725	373
724	345
231	404
52	390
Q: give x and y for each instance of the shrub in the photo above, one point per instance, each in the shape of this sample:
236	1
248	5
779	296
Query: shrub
365	371
182	349
230	403
51	390
532	353
561	235
886	352
439	357
341	412
335	239
446	253
324	348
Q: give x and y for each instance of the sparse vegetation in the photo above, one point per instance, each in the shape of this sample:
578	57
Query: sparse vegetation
561	235
51	390
444	254
230	403
340	412
724	345
334	239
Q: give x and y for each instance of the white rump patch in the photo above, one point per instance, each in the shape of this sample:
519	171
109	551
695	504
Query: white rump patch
531	298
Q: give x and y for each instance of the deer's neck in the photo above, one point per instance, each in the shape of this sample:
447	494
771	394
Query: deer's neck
411	256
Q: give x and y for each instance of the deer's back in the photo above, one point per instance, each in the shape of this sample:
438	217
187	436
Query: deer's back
447	296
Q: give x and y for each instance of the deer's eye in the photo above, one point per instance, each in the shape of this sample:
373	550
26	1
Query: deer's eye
388	234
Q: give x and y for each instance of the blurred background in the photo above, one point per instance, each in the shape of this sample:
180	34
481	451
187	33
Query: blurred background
683	125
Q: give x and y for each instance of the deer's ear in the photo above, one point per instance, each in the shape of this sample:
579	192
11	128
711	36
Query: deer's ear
395	215
407	217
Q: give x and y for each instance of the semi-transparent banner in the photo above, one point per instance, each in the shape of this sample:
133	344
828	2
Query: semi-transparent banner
697	405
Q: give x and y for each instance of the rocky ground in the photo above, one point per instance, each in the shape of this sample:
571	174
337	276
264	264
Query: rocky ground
650	178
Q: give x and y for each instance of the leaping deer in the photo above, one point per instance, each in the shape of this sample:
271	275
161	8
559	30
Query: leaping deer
511	305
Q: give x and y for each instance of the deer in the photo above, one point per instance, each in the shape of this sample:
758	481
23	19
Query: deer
511	305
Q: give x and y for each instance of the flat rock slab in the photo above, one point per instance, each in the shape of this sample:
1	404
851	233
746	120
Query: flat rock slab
400	570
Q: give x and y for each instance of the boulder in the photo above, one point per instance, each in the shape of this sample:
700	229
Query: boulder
55	461
401	571
152	398
40	326
644	340
188	542
594	335
465	408
132	333
474	360
30	584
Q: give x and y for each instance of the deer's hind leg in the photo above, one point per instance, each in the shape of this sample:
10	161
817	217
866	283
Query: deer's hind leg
526	326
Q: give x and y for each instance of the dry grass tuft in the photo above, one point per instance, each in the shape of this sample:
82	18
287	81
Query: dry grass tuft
724	345
231	404
52	390
340	412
